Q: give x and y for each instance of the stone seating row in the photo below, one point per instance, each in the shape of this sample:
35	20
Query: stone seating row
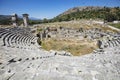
17	37
20	64
110	43
15	60
114	42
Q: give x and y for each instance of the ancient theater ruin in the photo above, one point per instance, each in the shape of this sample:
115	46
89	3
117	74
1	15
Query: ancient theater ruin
22	58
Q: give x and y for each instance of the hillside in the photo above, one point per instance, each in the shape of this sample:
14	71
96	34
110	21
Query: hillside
75	9
5	19
90	12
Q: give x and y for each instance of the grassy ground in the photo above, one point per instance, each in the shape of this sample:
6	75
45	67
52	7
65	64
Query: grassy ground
86	24
117	25
75	47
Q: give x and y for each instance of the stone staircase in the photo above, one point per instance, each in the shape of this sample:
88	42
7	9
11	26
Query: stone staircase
22	59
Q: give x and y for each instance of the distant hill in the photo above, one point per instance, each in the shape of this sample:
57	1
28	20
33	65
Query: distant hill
33	18
76	9
4	17
6	20
90	12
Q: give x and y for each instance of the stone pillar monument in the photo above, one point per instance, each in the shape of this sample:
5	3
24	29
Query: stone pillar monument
14	20
25	19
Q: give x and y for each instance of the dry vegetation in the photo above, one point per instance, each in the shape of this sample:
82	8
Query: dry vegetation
86	24
76	47
117	25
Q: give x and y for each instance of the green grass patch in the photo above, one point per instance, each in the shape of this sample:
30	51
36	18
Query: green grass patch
117	25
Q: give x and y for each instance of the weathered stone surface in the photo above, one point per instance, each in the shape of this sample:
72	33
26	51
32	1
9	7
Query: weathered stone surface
32	63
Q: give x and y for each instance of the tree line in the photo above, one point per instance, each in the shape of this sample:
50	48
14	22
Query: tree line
106	13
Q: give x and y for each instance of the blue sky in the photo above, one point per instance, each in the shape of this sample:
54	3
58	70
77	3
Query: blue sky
48	8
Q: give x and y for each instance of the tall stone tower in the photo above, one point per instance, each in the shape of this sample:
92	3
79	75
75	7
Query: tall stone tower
25	19
14	20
